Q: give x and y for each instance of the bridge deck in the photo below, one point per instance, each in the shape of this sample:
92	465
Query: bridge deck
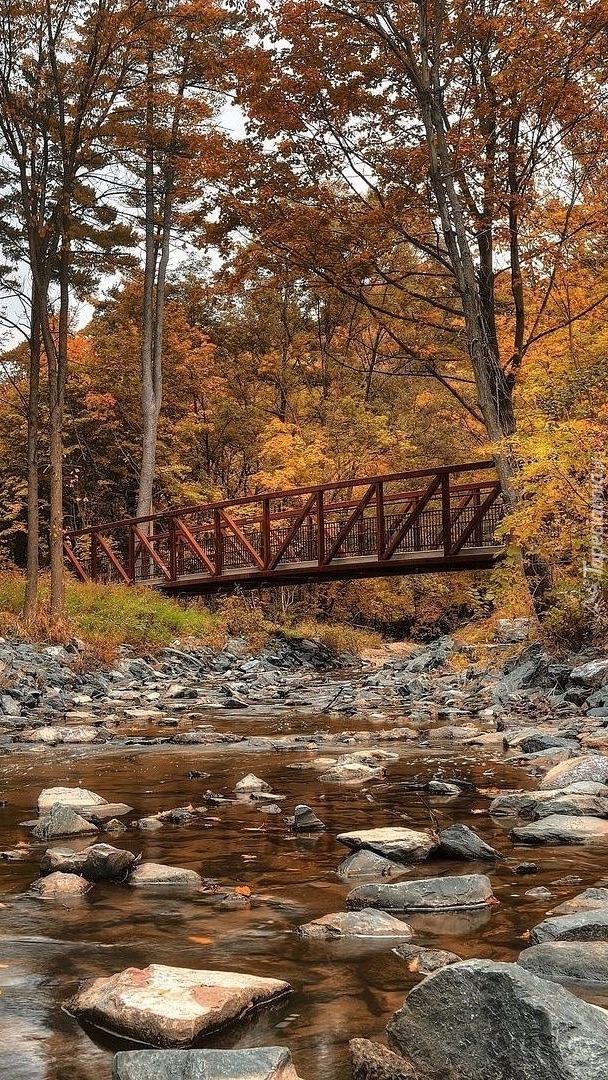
403	523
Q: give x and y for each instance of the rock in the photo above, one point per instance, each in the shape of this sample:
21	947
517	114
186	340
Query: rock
371	1061
149	824
74	797
82	733
514	804
151	873
401	845
441	787
114	826
539	893
305	819
526	868
589	900
425	961
582	926
592	674
499	1022
170	1006
593	767
251	782
364	923
107	863
515	631
59	884
367	864
62	821
260	1063
585	961
64	859
426	894
353	772
573	805
460	842
562	829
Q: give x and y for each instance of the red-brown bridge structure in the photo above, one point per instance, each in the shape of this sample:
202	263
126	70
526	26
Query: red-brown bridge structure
428	520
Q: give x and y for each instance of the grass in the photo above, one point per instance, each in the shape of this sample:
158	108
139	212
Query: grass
107	616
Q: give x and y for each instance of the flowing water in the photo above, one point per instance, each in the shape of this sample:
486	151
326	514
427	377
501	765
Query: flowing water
341	989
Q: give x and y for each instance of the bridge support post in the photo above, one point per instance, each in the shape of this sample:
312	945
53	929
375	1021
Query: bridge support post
446	514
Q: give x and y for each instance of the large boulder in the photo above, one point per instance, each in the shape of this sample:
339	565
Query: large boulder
151	873
99	862
585	961
67	796
371	1061
589	900
480	1020
62	821
592	767
460	842
592	674
402	845
260	1063
60	885
170	1006
562	829
364	923
582	926
425	894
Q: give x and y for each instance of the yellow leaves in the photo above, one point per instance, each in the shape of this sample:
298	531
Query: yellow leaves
200	940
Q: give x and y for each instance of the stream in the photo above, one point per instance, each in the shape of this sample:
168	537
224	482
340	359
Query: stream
342	989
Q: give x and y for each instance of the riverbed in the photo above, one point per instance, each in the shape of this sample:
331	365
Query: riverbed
342	989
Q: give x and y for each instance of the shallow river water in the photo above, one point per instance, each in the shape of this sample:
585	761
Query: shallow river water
341	989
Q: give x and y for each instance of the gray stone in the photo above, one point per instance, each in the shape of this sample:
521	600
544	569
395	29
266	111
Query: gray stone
62	821
74	797
573	805
526	868
589	900
305	819
425	961
170	1006
251	782
562	829
352	772
460	842
593	767
479	1020
539	893
151	873
515	631
401	845
442	787
427	894
585	961
260	1063
592	674
364	923
581	926
367	864
371	1061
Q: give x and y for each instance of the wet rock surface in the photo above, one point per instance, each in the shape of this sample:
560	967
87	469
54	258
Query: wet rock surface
426	894
583	961
261	1063
499	1021
364	923
171	1006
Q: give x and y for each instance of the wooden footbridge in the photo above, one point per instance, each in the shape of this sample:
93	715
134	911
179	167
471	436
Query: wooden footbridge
429	520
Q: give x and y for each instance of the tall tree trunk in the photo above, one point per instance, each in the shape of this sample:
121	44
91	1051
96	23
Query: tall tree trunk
33	513
58	360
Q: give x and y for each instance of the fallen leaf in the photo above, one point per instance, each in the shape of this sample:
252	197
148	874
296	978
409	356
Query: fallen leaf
201	940
243	890
493	900
413	964
525	936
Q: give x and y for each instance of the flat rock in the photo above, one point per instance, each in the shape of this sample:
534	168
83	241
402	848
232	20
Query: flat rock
365	863
461	842
592	674
259	1063
62	821
60	884
401	845
589	900
480	1020
151	873
427	894
74	797
170	1006
371	1061
352	773
582	926
442	787
364	923
574	805
584	961
425	961
82	733
562	829
593	767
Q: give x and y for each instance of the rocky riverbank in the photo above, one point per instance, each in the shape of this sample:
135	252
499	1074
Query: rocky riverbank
402	886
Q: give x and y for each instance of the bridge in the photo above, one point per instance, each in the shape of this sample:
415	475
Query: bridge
422	521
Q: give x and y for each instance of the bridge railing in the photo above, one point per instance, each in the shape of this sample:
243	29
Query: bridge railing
441	512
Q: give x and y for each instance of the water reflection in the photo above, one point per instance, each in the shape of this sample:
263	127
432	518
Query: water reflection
341	989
